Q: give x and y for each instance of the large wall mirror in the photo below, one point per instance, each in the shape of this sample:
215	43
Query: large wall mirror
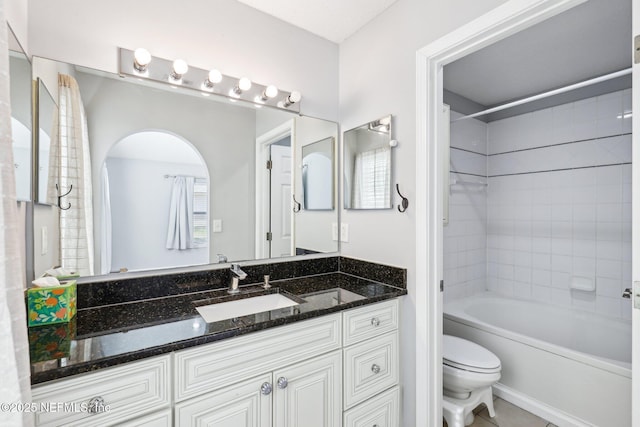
21	122
170	177
368	165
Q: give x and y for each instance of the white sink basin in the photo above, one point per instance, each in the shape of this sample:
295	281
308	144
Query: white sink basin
244	307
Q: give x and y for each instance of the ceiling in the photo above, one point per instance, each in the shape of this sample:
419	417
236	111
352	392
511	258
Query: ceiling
589	40
334	20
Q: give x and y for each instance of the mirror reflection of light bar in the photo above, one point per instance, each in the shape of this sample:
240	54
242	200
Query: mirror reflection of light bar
625	115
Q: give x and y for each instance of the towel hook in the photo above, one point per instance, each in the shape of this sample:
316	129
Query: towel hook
405	201
296	204
60	196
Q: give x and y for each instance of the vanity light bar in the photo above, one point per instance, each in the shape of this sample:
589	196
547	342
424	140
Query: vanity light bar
178	73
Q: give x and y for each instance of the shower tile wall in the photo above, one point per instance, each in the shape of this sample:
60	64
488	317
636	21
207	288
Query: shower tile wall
559	204
465	237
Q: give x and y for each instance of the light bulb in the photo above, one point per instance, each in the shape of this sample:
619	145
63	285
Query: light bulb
215	76
180	67
244	84
141	59
271	91
293	97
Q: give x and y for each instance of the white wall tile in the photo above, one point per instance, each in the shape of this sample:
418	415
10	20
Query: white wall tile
543	228
611	307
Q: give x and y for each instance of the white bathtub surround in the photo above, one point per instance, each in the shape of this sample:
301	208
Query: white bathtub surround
465	240
559	204
571	367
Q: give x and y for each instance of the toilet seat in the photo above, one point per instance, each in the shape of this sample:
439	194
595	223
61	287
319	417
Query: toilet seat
461	354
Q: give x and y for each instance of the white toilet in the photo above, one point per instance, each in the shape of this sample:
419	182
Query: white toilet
468	372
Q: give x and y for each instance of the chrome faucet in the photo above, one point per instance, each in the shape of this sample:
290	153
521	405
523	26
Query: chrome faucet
236	275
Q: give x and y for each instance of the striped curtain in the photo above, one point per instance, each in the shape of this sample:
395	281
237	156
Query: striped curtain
70	169
14	349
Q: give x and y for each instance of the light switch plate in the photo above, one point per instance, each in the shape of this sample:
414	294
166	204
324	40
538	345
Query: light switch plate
334	231
344	232
44	240
217	226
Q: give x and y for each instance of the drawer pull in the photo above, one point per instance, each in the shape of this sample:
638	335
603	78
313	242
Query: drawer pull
282	382
375	321
375	369
96	405
266	388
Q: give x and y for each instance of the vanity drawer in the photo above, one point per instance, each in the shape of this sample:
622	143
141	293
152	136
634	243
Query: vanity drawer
129	391
369	368
369	321
157	419
209	367
382	411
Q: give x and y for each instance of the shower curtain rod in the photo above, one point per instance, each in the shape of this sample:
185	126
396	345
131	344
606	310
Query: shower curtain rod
196	177
549	93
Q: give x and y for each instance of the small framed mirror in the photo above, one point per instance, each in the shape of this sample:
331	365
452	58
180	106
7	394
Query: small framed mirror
20	92
46	110
317	175
368	165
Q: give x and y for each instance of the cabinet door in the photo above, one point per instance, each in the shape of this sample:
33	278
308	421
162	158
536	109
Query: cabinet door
309	394
245	404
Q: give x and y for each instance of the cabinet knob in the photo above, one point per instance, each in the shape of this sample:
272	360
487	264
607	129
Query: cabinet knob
282	382
96	405
375	321
266	388
375	369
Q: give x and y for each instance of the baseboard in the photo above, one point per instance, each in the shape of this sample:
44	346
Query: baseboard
549	413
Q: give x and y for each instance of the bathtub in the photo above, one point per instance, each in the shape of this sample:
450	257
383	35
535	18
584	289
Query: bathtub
570	367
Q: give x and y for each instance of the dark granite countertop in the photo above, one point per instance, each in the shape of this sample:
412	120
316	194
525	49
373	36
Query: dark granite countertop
100	337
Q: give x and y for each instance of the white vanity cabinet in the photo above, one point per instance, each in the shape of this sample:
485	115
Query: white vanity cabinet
288	376
335	370
371	366
306	394
111	396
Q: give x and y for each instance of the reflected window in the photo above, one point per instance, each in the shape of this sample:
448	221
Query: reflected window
372	179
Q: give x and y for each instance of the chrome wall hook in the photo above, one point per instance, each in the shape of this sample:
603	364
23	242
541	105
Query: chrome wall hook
60	196
296	204
405	202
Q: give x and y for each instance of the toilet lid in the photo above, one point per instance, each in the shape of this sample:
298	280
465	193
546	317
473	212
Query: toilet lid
463	354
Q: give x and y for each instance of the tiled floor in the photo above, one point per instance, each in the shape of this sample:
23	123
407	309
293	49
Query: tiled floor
507	415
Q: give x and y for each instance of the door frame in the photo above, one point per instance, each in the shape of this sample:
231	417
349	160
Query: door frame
263	143
499	23
635	224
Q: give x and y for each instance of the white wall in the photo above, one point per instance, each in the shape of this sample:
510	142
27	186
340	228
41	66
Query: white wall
225	34
140	200
559	204
15	13
377	77
465	236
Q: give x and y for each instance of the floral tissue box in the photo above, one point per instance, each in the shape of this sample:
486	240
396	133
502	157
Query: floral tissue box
48	305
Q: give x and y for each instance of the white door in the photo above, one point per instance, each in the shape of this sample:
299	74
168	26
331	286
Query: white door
309	394
246	404
636	216
281	185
